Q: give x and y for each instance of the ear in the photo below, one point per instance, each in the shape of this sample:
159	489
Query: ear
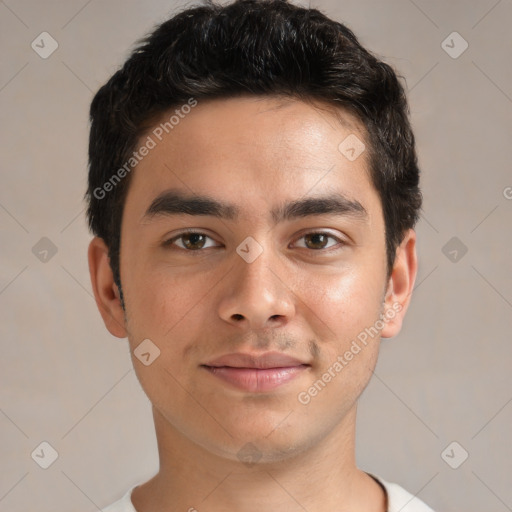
400	285
105	290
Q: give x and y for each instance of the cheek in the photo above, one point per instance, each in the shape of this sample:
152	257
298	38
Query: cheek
348	308
170	311
176	312
161	298
343	304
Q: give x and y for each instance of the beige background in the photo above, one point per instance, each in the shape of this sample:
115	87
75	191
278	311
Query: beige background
446	377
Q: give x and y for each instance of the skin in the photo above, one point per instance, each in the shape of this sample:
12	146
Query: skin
299	296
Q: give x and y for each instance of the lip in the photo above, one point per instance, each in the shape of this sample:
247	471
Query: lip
259	361
256	373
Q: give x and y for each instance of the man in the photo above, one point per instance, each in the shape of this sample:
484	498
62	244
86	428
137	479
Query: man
253	189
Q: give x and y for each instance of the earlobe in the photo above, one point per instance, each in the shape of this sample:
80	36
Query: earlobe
105	290
400	285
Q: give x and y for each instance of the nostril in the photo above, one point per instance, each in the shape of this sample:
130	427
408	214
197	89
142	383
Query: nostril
237	316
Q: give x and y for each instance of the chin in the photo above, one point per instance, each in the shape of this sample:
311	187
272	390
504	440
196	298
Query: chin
257	452
260	446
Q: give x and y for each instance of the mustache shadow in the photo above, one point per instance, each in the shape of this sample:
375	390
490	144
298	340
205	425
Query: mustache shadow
276	340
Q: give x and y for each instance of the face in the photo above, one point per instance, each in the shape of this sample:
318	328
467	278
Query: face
253	258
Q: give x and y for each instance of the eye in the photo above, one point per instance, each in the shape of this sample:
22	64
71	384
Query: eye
196	241
190	240
318	240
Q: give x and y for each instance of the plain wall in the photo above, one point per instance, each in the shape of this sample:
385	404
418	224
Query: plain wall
445	378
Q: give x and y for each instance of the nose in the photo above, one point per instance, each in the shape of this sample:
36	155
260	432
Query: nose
255	295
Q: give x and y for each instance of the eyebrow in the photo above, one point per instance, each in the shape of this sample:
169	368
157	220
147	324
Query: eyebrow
175	202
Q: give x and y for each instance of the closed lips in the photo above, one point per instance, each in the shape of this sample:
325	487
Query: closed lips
256	373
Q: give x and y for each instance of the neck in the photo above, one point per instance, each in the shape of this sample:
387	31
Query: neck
322	476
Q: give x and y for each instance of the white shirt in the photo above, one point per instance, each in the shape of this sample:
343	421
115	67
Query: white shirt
399	500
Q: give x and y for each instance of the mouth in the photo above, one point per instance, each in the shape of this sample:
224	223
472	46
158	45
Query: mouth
256	373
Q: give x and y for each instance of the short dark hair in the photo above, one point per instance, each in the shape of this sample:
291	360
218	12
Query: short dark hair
251	47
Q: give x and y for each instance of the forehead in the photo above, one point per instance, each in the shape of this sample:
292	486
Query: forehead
252	149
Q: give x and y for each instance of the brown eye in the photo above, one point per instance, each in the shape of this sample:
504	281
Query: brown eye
319	240
192	241
316	240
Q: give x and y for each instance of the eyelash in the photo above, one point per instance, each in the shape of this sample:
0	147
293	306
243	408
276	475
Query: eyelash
170	241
